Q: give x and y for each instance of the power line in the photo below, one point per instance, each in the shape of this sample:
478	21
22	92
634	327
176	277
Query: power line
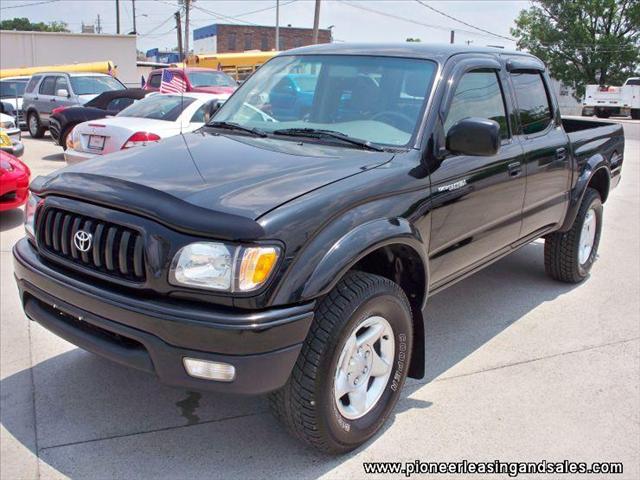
410	20
463	22
29	4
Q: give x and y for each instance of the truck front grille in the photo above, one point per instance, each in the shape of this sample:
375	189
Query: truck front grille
111	249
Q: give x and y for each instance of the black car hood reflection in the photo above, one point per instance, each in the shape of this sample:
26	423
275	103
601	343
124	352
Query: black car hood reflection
233	174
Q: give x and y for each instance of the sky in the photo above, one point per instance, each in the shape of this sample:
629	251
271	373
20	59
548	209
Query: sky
352	20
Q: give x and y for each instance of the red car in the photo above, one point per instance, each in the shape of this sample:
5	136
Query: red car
14	182
206	80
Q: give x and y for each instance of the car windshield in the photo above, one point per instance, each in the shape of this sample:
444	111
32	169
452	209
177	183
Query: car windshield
375	99
158	107
12	88
93	85
210	79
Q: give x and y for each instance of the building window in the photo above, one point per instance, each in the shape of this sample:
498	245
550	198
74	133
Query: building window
264	43
248	44
231	41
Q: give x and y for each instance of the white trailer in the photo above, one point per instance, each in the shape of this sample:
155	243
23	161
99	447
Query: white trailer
604	101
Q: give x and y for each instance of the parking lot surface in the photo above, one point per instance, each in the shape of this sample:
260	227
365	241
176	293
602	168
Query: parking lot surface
519	368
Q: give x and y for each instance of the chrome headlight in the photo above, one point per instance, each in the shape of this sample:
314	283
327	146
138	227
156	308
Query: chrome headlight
223	267
30	215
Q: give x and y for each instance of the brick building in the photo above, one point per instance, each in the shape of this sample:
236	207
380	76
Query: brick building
227	38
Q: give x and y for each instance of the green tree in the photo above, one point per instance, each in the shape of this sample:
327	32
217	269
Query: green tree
25	25
583	41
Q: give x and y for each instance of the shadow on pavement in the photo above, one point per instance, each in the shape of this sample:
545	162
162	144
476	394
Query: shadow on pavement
96	416
55	157
11	219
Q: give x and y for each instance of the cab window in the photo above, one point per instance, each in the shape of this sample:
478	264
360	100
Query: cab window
478	94
533	103
154	80
118	104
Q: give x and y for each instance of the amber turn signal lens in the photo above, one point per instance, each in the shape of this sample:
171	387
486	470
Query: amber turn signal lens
256	266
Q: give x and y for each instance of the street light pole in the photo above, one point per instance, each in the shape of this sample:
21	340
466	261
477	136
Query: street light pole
277	25
133	8
118	16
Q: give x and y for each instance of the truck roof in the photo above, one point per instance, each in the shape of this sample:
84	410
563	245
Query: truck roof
431	51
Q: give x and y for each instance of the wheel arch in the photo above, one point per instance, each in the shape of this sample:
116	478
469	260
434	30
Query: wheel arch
391	248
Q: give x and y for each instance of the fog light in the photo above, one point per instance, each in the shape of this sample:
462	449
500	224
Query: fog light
222	372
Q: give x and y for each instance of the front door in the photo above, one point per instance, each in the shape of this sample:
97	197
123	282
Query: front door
477	200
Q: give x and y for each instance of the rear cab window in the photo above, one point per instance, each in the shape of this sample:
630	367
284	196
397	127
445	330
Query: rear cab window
154	80
479	94
533	101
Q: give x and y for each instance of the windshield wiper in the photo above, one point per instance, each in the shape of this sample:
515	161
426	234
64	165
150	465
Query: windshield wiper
317	132
236	126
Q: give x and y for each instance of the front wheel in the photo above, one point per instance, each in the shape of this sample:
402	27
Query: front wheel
352	366
569	256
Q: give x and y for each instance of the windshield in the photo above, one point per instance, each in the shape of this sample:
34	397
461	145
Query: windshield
93	85
376	99
12	88
158	107
211	79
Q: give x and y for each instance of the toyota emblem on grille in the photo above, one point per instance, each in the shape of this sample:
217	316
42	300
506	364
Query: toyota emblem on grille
82	240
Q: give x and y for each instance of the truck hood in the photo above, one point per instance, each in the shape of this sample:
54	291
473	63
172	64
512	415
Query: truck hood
232	174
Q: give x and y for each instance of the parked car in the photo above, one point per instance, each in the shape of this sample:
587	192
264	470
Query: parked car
292	97
14	182
48	91
205	80
110	103
146	121
10	140
605	100
296	257
11	92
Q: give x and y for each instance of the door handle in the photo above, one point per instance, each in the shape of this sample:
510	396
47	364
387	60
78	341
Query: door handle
515	169
561	153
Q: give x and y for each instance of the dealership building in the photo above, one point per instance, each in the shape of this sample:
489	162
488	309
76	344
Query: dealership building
228	38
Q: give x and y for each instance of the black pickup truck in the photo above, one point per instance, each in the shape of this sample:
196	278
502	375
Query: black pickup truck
289	247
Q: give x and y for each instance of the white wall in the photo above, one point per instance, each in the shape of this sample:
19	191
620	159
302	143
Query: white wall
205	45
36	49
566	101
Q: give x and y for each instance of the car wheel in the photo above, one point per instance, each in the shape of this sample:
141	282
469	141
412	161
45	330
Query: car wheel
352	366
33	123
569	256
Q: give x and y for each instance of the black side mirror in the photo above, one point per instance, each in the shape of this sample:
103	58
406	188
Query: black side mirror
474	136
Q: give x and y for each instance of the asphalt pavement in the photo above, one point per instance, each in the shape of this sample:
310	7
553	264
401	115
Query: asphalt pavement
519	368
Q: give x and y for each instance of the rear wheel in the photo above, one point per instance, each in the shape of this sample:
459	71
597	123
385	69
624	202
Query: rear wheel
635	113
33	123
569	256
603	114
352	366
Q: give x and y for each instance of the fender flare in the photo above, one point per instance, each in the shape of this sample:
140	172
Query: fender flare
317	280
593	165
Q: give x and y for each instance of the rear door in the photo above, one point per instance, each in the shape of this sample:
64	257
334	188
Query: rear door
546	147
46	99
477	210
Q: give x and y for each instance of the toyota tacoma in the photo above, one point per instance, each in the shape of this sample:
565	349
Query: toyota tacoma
291	251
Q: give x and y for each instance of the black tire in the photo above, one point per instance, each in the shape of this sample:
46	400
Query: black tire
561	249
36	130
306	405
603	114
635	113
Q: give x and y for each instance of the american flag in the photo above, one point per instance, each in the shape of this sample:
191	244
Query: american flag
172	83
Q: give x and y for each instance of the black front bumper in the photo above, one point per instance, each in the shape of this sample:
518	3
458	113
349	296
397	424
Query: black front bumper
154	336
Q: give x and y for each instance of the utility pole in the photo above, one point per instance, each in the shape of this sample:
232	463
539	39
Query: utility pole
99	25
133	8
118	16
277	25
316	23
187	6
179	30
453	36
